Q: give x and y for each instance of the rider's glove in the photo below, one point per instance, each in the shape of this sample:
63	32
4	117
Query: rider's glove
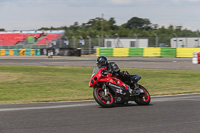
104	73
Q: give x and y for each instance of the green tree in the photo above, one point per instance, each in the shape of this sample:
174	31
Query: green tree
138	23
140	26
1	29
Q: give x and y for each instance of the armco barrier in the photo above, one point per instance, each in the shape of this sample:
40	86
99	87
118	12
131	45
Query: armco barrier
106	51
16	51
168	52
11	52
148	52
151	52
6	51
136	52
121	52
28	52
186	52
32	52
2	51
97	51
37	52
22	51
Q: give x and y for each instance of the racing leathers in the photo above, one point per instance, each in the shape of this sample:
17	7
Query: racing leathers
112	68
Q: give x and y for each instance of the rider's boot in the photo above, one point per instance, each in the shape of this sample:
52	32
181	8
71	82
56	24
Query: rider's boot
136	89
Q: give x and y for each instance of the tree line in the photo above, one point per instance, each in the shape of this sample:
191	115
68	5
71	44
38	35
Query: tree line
134	27
142	27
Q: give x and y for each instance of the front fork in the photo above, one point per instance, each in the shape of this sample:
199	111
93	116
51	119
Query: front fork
136	86
105	90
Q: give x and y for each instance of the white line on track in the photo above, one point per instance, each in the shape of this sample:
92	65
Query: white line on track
177	95
82	103
46	107
193	96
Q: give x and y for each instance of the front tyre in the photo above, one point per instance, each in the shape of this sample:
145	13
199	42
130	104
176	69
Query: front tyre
101	99
144	99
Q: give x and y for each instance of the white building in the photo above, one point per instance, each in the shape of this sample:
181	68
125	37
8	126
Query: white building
126	43
187	42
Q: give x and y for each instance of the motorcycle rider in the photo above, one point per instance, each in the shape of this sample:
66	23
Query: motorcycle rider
112	68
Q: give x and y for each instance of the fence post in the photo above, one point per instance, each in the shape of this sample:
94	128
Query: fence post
89	44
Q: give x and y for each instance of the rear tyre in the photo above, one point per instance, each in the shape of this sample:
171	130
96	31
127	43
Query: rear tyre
101	99
144	99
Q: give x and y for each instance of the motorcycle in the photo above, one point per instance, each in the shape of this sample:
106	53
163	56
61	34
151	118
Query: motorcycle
109	90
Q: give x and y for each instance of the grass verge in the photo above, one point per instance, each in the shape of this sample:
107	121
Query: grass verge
21	84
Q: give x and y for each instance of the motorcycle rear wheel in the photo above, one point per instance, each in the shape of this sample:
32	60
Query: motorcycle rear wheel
101	99
145	99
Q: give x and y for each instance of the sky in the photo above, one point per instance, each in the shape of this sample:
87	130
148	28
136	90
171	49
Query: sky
34	14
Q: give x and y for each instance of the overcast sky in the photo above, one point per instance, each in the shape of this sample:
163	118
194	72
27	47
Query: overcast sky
34	14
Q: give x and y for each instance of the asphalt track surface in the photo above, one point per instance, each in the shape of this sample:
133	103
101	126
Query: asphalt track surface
90	61
168	114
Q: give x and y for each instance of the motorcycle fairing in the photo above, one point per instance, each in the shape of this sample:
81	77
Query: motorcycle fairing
120	89
136	77
98	77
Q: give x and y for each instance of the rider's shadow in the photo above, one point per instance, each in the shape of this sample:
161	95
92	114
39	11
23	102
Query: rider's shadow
132	104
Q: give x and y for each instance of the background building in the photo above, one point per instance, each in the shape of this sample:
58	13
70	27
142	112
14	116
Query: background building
187	42
126	43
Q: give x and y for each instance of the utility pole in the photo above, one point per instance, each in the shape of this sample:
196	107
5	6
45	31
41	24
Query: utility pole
156	39
106	43
102	29
198	38
74	41
89	44
99	40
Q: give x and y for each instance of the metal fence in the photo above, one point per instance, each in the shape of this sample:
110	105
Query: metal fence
89	45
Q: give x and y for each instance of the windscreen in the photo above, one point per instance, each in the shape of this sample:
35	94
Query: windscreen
95	70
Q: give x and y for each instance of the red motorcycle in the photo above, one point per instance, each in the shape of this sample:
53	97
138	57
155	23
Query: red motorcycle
109	90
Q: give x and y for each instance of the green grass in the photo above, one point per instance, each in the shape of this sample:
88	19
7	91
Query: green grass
20	84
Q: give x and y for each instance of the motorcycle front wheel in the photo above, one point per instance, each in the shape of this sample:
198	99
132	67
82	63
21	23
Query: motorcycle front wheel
101	99
144	99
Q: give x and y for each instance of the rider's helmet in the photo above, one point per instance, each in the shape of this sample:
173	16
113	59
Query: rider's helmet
102	61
